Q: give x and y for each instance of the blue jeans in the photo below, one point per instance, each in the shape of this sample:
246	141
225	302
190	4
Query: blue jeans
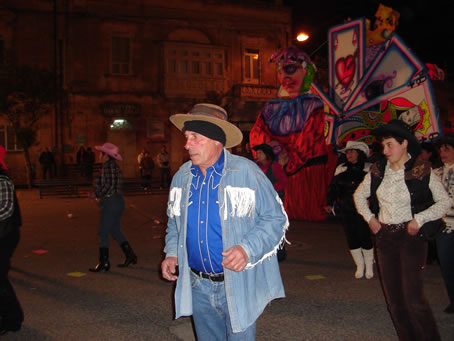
210	312
112	209
445	249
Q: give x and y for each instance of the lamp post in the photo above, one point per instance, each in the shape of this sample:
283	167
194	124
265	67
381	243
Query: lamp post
302	37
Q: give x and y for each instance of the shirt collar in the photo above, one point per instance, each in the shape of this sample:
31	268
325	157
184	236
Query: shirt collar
402	168
216	168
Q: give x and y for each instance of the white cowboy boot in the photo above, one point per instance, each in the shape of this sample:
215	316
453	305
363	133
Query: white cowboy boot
359	261
369	260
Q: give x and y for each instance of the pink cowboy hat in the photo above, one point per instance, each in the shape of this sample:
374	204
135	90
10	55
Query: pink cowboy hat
109	149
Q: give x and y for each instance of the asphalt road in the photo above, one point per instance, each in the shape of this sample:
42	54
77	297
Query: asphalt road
63	301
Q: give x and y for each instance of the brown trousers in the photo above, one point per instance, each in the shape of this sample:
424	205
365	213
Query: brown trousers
401	259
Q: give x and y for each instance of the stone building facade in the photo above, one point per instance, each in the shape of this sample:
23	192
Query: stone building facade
126	66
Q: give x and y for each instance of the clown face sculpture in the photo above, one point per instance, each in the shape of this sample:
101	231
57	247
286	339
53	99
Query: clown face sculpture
291	77
295	71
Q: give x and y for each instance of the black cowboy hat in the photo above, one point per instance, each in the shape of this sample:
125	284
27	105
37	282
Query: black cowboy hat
448	139
267	149
399	128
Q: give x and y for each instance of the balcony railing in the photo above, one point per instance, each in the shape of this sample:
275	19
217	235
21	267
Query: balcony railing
254	91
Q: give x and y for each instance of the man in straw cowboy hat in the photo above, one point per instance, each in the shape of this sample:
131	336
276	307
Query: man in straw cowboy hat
226	223
401	198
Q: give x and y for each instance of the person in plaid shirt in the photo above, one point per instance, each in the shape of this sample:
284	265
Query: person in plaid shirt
110	199
11	314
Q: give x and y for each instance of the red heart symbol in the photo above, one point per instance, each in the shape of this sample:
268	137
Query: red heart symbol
345	70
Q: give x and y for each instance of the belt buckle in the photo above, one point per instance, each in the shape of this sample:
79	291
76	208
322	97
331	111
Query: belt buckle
205	275
393	228
216	278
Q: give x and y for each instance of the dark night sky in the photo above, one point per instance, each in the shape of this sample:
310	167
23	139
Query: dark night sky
425	26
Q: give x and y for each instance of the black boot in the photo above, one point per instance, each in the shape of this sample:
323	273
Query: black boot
131	257
103	260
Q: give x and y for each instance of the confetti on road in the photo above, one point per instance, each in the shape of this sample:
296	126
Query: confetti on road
314	277
40	251
77	274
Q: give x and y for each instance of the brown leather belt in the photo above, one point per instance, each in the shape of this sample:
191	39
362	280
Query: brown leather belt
212	277
395	227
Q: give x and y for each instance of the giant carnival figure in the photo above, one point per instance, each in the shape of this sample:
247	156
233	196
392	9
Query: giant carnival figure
294	123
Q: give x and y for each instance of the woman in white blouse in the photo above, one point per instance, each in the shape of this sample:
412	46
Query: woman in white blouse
445	240
397	197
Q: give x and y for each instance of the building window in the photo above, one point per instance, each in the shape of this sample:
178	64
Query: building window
208	68
196	67
121	55
195	60
251	66
172	65
8	138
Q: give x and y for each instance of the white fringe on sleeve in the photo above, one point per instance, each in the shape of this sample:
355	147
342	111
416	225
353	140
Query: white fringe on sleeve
174	202
281	243
242	201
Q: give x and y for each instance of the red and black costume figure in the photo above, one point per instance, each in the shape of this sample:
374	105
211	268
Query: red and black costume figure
297	121
272	169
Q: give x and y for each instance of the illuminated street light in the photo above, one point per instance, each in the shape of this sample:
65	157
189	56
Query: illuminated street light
302	37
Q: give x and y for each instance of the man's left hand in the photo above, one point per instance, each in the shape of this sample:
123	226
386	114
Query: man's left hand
235	258
412	228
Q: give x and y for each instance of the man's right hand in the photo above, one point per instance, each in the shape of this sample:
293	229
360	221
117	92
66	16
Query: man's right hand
169	267
374	225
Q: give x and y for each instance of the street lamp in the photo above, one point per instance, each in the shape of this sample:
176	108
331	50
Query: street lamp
302	37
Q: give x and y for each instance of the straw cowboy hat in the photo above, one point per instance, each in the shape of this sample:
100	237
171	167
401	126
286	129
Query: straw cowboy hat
213	114
361	146
399	128
109	149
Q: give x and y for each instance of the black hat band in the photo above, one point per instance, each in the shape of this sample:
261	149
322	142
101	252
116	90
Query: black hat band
207	129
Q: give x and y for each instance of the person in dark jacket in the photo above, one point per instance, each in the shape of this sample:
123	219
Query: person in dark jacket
146	170
110	199
80	156
11	314
400	198
47	161
89	160
347	177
